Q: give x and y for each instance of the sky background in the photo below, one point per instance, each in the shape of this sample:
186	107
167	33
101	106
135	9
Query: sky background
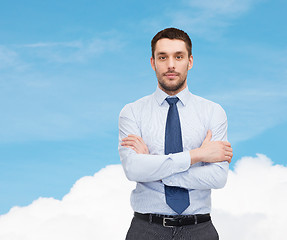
248	207
67	68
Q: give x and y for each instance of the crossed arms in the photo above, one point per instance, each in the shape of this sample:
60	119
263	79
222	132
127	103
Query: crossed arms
209	151
205	167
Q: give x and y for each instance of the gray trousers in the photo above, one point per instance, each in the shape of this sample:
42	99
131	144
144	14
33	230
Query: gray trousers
143	230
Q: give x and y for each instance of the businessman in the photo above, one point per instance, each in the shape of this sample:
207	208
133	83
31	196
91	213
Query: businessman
174	145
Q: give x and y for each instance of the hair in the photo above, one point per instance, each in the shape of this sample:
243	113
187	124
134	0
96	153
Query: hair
172	33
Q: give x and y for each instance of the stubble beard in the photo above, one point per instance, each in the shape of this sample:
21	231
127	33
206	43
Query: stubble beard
171	88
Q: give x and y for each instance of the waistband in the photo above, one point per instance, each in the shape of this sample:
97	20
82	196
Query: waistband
173	220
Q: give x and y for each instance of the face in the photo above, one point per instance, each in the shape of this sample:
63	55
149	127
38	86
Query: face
171	64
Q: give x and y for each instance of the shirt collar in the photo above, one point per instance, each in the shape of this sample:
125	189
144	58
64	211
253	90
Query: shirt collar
160	96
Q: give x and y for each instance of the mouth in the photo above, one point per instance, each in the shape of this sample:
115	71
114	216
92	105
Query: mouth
171	75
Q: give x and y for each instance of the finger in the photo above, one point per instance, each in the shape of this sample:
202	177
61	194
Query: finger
228	149
133	148
138	138
129	138
134	136
228	159
208	136
141	140
132	139
135	144
229	154
129	143
226	143
129	146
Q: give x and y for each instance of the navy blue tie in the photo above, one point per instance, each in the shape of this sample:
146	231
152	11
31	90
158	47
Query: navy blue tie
176	197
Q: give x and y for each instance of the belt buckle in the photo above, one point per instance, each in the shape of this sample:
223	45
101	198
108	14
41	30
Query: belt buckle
164	222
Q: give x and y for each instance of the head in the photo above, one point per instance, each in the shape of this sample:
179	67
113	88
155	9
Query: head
171	59
172	33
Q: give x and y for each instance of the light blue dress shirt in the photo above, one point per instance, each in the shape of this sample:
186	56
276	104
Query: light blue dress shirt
147	118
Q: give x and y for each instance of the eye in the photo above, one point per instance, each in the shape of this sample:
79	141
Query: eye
179	57
162	58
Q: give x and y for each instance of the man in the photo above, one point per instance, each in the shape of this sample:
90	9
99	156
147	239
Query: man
174	145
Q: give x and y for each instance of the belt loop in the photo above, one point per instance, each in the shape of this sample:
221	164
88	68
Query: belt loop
150	219
195	219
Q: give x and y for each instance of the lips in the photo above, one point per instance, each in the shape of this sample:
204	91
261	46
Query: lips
171	75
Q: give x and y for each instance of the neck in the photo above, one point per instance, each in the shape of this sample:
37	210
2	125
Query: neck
171	93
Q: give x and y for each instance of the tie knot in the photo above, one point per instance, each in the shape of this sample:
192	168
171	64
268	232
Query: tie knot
172	100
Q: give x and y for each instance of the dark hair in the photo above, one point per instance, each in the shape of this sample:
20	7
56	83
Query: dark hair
172	33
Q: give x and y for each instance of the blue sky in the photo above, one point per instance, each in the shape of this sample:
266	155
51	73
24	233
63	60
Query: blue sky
68	67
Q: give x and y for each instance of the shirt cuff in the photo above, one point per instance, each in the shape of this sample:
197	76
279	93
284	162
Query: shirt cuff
181	161
181	164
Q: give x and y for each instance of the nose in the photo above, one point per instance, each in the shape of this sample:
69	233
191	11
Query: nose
171	64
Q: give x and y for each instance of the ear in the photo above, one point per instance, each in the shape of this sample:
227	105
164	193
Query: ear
152	62
190	62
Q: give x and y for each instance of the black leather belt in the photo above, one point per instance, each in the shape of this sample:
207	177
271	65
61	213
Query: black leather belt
173	221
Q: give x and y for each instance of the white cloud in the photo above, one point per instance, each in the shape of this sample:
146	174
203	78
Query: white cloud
251	206
57	119
253	203
73	44
207	19
73	51
93	203
7	57
10	59
227	7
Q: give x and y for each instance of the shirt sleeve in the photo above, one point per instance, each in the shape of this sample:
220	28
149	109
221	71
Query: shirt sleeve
205	175
146	167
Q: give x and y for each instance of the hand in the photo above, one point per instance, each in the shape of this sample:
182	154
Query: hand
212	151
136	143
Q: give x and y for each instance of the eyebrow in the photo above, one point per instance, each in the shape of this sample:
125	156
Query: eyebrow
179	52
163	53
